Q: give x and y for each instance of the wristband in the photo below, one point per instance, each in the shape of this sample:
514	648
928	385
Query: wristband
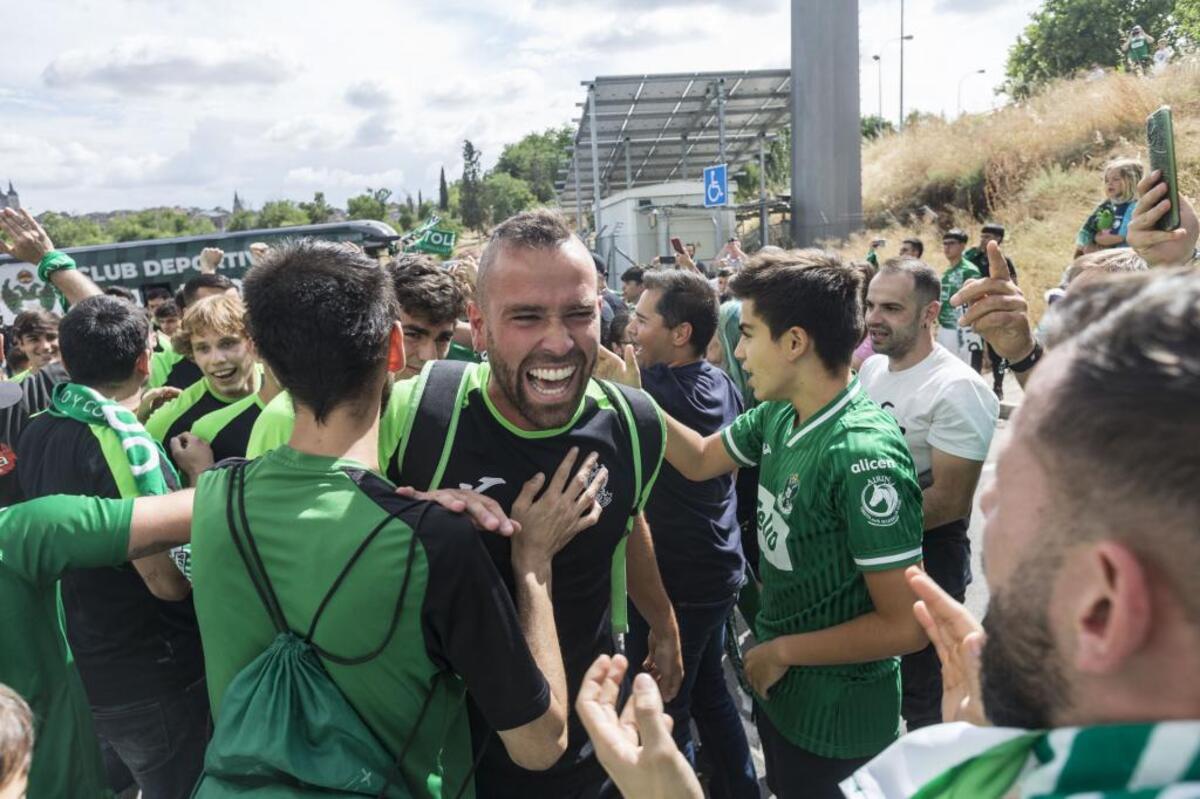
54	261
1028	362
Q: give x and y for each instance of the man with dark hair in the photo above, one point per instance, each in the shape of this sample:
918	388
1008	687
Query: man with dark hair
166	319
324	320
155	298
121	293
170	368
132	629
839	513
947	416
536	312
431	302
958	340
912	248
694	525
631	285
1087	657
36	333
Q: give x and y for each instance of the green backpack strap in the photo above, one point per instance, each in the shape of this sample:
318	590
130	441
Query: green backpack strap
433	423
640	420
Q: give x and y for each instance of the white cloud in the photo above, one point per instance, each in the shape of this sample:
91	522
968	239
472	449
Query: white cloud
321	177
274	99
140	64
369	95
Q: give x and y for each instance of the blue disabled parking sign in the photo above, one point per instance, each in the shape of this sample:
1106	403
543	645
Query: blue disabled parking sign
716	186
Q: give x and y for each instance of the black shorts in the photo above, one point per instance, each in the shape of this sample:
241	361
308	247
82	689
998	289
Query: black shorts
795	773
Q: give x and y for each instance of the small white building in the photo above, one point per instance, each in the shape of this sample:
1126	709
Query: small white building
638	224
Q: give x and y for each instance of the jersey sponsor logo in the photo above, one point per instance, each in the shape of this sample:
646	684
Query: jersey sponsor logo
872	465
604	497
789	495
880	502
483	484
773	531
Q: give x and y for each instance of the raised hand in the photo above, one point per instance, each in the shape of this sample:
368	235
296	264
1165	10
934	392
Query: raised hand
996	309
618	369
958	639
1161	247
30	243
635	747
210	259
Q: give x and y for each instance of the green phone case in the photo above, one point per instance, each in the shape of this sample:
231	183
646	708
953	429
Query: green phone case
1160	136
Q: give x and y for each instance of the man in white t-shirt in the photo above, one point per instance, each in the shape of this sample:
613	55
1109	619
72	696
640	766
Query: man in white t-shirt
947	414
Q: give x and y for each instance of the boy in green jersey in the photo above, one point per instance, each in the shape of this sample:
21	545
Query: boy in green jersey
213	335
839	519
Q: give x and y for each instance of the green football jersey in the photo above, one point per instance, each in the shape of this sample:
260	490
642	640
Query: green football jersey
837	496
953	280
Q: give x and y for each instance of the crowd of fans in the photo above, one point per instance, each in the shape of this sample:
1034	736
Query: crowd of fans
401	528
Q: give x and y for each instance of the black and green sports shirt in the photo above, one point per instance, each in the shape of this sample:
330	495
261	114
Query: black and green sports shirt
487	453
227	430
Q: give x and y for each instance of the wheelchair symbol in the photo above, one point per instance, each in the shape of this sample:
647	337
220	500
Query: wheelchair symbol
715	193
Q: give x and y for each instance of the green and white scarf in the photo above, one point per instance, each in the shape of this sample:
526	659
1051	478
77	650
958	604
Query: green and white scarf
143	455
961	761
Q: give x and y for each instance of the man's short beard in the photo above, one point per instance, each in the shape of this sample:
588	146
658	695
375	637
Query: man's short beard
1021	668
512	385
901	340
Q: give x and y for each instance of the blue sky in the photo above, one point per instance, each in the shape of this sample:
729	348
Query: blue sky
109	104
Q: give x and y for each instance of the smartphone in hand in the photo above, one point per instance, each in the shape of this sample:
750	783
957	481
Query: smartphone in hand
677	244
1160	136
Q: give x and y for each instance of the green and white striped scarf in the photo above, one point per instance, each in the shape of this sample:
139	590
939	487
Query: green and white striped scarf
961	761
142	454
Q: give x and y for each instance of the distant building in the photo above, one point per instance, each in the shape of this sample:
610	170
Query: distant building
237	204
11	199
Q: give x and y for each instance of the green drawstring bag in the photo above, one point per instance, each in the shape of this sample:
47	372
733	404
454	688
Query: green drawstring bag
285	729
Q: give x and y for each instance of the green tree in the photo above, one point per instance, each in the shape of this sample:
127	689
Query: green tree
242	220
72	231
1066	36
318	211
875	126
158	223
1187	16
471	190
779	169
536	159
281	213
504	195
406	218
370	205
443	192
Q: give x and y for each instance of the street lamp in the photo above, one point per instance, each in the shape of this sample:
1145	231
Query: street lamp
960	85
878	59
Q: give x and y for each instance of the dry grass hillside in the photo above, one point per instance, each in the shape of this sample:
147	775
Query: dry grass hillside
1035	167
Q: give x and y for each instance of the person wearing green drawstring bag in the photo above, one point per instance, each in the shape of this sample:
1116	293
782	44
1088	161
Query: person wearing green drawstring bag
132	629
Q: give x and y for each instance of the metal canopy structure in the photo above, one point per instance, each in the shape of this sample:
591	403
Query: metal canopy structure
658	128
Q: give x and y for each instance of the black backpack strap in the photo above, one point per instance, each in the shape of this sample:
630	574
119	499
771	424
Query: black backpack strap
640	421
235	515
431	429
